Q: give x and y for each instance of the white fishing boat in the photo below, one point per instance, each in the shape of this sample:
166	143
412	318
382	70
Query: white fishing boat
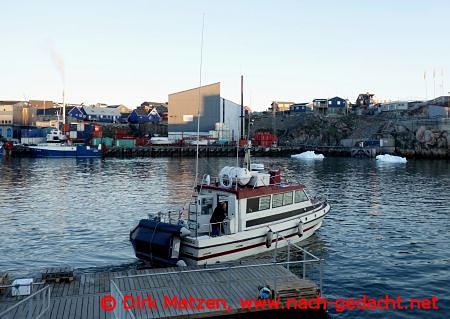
261	209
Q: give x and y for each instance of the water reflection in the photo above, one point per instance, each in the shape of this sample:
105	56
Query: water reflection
387	231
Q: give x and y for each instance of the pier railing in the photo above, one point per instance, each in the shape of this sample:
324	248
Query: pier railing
180	282
35	305
292	248
120	312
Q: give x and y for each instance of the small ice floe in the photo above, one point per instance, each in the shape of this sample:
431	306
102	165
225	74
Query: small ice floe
390	159
308	155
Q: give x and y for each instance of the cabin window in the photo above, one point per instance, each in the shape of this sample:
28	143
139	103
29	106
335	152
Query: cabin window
207	206
257	204
277	200
264	202
300	196
287	198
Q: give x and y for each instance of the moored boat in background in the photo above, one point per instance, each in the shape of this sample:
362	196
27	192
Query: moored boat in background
58	146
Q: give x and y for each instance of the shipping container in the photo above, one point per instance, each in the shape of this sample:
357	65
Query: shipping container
142	141
107	141
97	134
65	128
80	127
88	127
126	142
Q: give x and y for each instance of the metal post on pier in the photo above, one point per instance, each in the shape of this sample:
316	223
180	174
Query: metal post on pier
179	284
288	253
275	251
321	272
30	308
304	265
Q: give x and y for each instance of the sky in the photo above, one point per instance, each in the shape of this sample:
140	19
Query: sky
127	52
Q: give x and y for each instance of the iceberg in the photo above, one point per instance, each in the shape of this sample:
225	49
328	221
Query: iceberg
308	155
391	159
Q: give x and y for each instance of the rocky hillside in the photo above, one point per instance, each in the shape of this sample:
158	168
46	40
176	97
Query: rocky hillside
413	136
313	129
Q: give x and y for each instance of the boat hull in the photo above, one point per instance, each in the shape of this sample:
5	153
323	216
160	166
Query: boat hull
251	242
59	151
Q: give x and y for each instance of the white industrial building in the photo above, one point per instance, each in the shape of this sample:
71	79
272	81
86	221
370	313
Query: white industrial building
219	117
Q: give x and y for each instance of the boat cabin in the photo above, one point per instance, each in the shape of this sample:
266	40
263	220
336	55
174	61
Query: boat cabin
248	207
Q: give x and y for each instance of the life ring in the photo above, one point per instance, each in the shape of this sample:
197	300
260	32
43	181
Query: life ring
300	229
269	237
225	181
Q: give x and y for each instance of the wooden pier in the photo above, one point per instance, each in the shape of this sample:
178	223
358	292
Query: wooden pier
81	298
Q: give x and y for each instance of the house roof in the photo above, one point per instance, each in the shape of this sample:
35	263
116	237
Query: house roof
9	102
95	110
300	104
40	104
282	102
337	98
140	112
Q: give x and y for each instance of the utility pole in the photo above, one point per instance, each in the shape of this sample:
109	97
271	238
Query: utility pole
242	108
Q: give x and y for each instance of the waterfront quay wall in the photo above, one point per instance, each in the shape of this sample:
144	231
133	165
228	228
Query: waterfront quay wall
280	151
221	151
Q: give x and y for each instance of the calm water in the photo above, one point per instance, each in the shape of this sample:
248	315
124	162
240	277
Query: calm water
387	233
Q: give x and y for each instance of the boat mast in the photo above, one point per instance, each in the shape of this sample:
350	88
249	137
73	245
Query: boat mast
199	103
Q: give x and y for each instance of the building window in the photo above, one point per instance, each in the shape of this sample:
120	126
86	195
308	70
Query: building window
329	102
338	102
300	196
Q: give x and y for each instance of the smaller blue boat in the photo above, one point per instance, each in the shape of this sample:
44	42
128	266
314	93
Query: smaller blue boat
57	146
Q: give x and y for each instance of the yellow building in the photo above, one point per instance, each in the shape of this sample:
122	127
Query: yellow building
281	106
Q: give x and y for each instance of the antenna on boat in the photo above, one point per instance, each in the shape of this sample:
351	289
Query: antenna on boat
199	102
64	108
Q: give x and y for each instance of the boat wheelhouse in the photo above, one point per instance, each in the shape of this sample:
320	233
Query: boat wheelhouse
260	208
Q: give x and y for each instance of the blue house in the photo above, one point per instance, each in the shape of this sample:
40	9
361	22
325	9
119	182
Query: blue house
141	116
337	102
300	108
76	113
95	114
337	105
